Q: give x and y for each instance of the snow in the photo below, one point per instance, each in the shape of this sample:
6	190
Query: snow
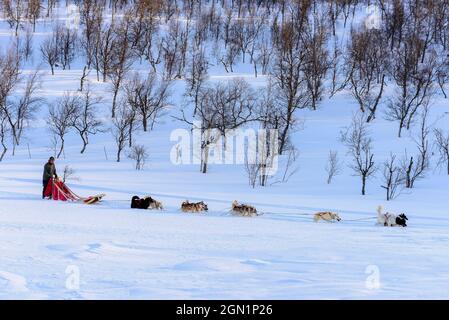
120	253
125	254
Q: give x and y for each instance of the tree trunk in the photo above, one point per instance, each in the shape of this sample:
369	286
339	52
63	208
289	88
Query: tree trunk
130	140
285	134
114	101
373	109
144	122
205	157
363	185
6	149
82	79
204	166
85	142
401	124
61	149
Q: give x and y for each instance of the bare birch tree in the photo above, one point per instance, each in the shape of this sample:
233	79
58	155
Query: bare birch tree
61	116
442	144
333	166
139	154
49	52
120	126
393	177
414	82
290	85
86	121
148	97
360	148
367	68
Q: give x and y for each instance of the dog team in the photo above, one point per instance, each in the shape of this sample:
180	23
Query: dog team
386	219
148	202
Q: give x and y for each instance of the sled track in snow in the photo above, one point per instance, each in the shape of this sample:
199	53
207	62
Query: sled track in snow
293	212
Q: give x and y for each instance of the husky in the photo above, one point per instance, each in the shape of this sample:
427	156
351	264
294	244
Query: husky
389	219
385	219
194	207
94	199
145	203
401	220
244	210
153	203
137	203
326	216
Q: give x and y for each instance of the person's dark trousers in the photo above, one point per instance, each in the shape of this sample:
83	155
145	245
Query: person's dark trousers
45	182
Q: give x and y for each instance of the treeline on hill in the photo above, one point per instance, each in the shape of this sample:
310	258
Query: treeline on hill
296	44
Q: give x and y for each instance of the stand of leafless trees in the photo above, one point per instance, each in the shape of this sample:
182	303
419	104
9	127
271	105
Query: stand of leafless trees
294	44
222	107
19	100
415	81
367	69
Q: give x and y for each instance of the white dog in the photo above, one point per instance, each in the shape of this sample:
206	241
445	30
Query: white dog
386	219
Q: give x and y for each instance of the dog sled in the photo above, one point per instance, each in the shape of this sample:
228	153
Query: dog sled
58	190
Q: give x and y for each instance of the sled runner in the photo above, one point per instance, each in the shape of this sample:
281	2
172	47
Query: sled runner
58	190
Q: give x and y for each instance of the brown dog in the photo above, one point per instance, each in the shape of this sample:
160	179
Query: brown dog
153	203
244	210
194	207
326	216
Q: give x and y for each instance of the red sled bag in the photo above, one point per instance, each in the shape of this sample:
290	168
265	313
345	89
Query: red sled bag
58	190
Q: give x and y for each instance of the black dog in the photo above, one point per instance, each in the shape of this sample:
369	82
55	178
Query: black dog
137	203
401	220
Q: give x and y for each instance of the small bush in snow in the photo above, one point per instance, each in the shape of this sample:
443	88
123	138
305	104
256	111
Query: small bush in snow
139	154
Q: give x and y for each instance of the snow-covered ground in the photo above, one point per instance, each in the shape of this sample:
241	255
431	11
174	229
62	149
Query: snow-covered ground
115	252
124	254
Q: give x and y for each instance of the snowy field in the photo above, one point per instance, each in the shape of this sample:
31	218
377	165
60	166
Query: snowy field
46	247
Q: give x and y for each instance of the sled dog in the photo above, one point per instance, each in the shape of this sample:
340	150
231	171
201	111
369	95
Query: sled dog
137	203
145	203
326	216
194	207
401	220
94	199
153	203
388	219
244	210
